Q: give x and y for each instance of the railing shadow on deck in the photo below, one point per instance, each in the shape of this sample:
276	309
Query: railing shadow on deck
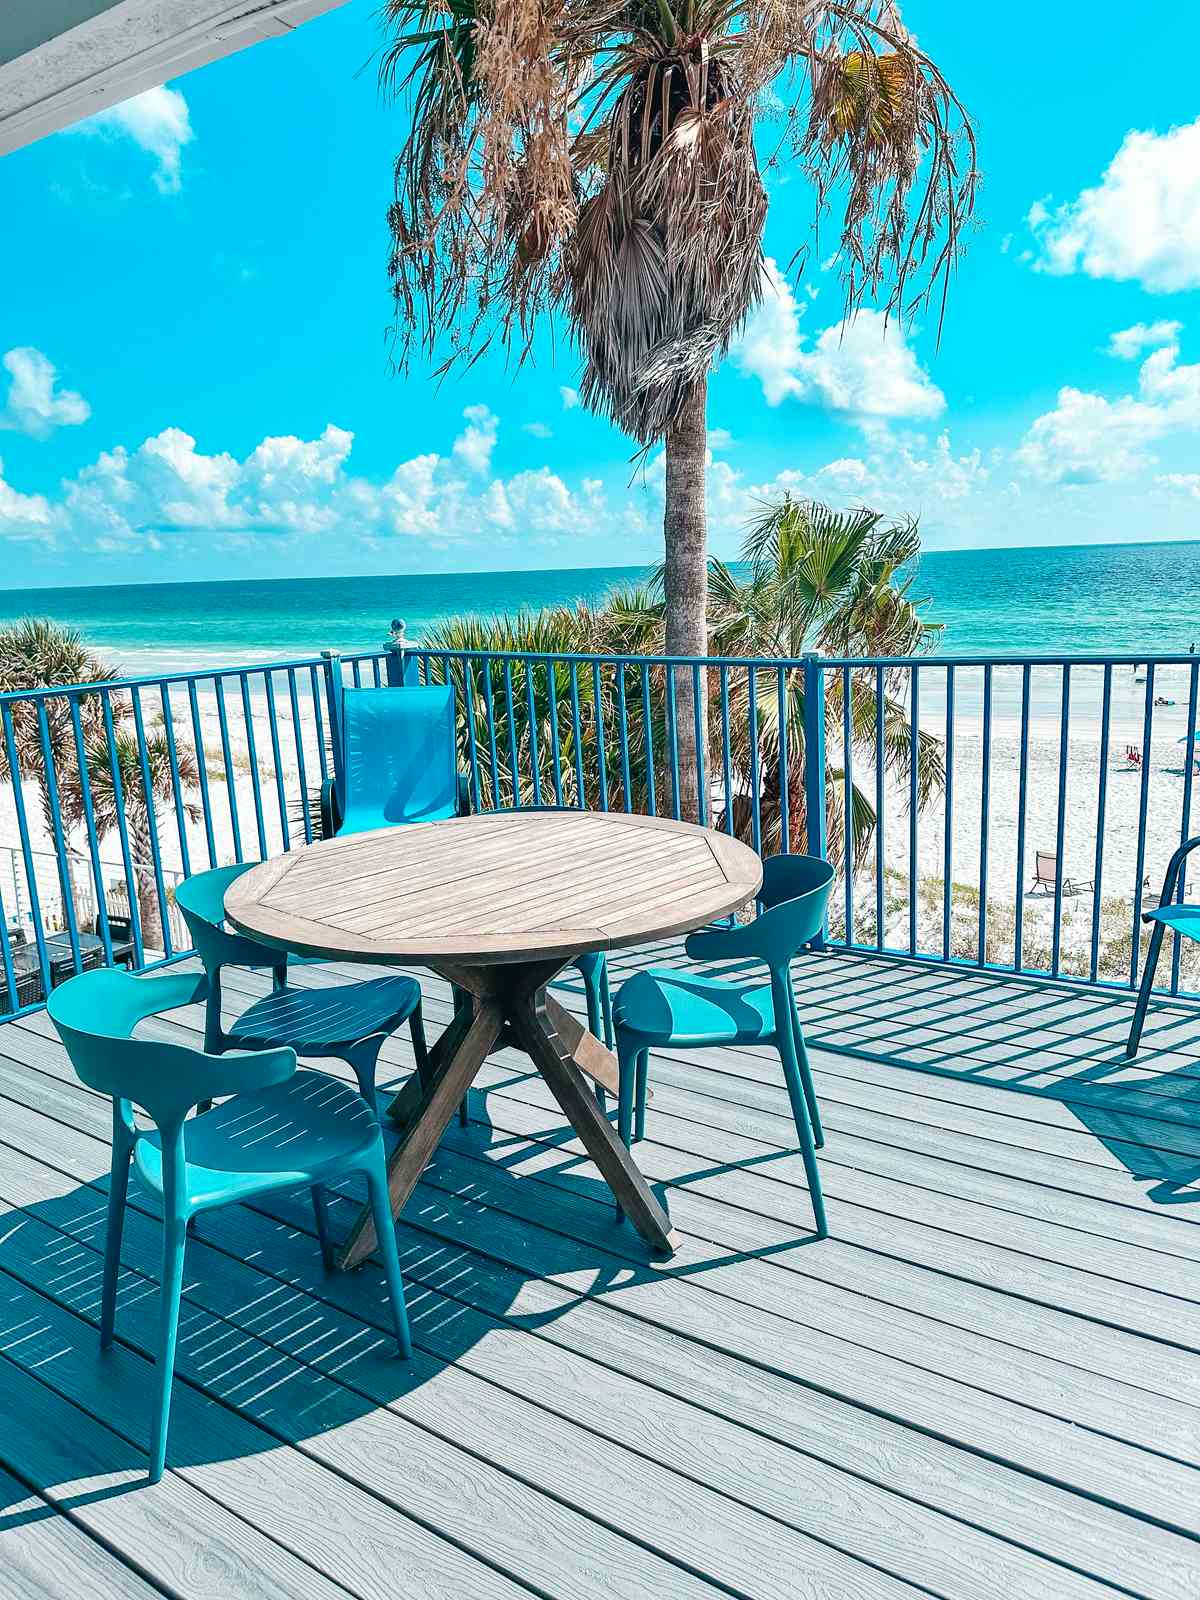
1042	1040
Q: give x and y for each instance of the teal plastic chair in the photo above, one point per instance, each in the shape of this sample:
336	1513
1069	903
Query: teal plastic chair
663	1006
349	1022
279	1128
397	760
1170	916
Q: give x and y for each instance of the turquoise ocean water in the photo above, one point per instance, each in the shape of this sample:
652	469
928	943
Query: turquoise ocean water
1080	599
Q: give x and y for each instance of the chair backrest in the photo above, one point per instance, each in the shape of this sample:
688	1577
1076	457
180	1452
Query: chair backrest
795	891
399	756
95	1015
1047	867
201	900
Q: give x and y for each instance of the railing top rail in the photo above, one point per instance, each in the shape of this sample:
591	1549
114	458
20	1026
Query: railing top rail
153	680
938	660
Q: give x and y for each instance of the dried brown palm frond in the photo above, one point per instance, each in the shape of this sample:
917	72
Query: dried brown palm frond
597	158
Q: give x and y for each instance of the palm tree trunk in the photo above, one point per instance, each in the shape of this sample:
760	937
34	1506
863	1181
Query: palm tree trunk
685	581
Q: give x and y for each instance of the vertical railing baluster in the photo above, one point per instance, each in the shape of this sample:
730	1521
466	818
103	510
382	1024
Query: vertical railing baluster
555	730
489	706
535	765
648	740
58	833
139	727
755	765
230	770
601	763
185	859
914	799
726	749
277	758
848	798
314	683
118	790
577	738
13	760
252	759
1101	807
202	772
698	722
1022	799
510	714
356	674
948	837
468	672
880	807
673	742
298	746
781	714
10	977
985	812
623	725
1185	819
375	676
89	821
1135	954
1060	835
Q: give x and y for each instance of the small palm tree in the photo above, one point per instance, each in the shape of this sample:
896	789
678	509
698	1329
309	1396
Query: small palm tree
832	582
597	163
36	653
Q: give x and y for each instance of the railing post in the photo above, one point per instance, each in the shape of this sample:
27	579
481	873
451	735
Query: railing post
332	665
401	666
814	764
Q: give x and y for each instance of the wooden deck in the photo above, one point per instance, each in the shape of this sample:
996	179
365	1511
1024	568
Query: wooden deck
984	1386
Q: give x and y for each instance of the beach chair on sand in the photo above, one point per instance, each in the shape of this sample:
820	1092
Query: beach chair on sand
395	762
1046	877
1177	917
1133	758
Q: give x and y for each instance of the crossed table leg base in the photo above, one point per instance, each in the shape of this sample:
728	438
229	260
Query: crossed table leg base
511	1005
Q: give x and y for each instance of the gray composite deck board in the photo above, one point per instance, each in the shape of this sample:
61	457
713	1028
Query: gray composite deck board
979	1388
44	1555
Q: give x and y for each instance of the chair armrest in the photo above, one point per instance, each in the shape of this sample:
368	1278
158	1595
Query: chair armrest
464	795
331	814
718	944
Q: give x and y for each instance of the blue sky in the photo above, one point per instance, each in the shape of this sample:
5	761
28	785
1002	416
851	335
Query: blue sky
193	309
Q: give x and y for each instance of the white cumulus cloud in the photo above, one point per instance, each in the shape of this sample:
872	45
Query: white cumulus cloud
864	370
475	444
1141	222
158	122
1089	438
1128	343
36	405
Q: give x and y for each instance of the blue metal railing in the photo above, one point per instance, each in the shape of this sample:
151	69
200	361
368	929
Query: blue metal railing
931	783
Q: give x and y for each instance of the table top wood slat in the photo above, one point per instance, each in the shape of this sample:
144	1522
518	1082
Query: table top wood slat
519	887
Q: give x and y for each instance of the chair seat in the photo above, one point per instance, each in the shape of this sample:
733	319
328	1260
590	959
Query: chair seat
320	1022
286	1134
1183	919
663	1006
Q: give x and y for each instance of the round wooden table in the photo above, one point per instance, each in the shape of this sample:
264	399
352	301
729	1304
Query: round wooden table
498	905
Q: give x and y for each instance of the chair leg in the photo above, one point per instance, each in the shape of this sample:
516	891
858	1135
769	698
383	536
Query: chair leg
643	1073
806	1080
321	1213
791	1072
174	1246
118	1188
1147	984
606	1006
363	1059
385	1231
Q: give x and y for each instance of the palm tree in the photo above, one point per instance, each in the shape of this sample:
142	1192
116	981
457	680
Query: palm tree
833	582
118	786
597	162
36	653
